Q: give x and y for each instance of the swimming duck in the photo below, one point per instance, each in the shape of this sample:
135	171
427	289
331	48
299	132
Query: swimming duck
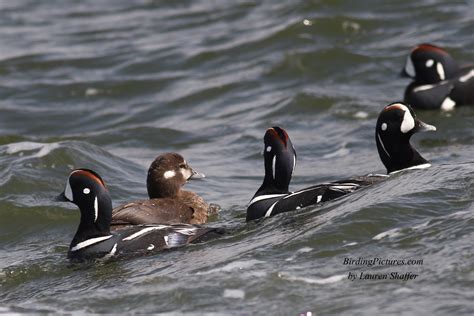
168	203
93	238
438	80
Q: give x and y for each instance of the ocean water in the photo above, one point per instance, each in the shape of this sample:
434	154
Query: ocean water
109	85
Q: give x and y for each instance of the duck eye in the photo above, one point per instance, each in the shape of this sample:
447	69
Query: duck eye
182	166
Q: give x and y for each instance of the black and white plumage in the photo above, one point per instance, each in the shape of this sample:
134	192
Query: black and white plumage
273	196
438	81
93	238
396	124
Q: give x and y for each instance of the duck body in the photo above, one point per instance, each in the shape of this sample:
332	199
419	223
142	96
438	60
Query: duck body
168	203
273	197
93	238
438	81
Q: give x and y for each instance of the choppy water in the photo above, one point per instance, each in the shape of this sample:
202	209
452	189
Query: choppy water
111	84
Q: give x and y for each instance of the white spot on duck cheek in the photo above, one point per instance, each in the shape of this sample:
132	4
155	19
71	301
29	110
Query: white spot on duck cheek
383	127
86	190
169	174
269	149
440	70
429	63
408	122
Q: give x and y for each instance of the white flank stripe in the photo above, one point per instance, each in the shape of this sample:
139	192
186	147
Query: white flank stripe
423	166
166	240
96	209
383	147
467	76
301	191
269	212
151	247
144	231
89	242
265	197
318	199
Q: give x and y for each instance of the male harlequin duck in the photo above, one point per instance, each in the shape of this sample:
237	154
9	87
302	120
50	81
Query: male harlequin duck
168	204
273	196
93	239
395	125
438	80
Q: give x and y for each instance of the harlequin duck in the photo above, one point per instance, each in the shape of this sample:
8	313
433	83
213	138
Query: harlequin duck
168	204
273	196
93	239
395	125
438	80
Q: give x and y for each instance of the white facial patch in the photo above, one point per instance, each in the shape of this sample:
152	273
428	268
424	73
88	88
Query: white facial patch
408	122
440	70
269	149
86	191
68	191
429	63
383	127
96	209
169	174
409	68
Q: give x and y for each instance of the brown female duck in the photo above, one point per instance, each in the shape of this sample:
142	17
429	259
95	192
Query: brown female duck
168	203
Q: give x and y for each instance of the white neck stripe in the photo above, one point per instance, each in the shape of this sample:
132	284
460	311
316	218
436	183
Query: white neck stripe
422	166
89	242
265	197
383	147
96	209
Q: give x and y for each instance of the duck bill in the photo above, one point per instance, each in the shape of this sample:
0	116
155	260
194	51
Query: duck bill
196	175
423	127
61	198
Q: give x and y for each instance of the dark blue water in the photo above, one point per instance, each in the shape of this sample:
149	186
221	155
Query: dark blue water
109	85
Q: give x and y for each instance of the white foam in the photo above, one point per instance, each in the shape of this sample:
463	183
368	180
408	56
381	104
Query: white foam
44	148
91	91
233	293
235	265
350	244
361	115
322	281
389	233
